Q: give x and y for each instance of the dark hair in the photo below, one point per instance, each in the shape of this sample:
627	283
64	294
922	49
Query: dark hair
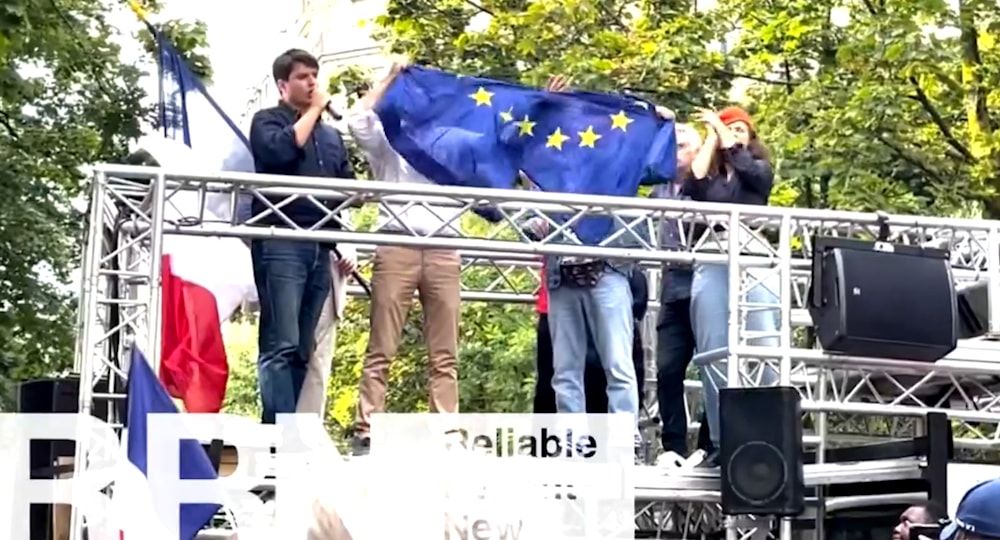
285	63
755	147
935	512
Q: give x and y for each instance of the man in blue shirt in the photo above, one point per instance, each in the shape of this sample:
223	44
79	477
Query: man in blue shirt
292	276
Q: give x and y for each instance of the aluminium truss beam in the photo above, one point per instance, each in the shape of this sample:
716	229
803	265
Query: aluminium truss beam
120	297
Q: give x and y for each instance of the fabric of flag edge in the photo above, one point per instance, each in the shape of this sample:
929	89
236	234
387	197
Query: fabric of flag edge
428	120
476	132
145	395
193	362
188	113
173	116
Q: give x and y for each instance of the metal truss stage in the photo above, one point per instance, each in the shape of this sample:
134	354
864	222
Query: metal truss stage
869	399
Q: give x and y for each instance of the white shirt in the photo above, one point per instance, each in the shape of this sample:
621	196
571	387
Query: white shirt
389	166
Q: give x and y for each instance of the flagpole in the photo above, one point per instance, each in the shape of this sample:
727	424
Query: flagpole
140	13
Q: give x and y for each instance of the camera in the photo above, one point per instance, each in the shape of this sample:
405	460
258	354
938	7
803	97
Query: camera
931	532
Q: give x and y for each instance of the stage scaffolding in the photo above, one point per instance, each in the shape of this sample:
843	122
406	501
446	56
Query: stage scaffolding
120	303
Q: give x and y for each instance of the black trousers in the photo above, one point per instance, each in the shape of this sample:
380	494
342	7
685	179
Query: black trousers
595	384
675	347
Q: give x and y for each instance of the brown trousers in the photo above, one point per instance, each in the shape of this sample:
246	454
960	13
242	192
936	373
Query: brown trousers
398	272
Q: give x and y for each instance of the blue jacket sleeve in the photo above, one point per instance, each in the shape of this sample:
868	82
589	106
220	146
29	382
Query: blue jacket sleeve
346	170
272	141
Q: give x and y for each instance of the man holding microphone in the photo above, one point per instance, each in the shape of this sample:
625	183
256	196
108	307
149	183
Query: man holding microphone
292	276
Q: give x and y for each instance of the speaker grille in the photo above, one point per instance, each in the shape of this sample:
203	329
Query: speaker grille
761	451
758	472
879	290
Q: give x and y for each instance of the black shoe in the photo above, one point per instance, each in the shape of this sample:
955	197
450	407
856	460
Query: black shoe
711	461
361	446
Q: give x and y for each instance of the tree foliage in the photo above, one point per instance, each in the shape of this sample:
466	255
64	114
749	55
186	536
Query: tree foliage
67	100
894	108
867	104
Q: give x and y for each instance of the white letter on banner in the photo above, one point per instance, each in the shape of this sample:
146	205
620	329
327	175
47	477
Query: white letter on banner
164	434
17	430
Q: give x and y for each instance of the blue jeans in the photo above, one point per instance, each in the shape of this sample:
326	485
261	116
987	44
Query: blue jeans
606	309
710	319
293	281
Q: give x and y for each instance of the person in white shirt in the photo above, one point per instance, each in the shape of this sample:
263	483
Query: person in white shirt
312	399
399	271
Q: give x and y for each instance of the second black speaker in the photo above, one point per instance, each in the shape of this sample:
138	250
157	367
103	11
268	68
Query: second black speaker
761	451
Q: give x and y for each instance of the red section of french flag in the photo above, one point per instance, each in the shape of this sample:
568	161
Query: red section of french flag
193	364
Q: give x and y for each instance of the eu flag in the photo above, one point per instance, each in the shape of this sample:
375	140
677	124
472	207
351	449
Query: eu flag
468	131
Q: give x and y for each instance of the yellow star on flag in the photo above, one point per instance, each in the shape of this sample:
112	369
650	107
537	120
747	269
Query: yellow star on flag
620	121
526	126
508	115
556	140
482	97
588	138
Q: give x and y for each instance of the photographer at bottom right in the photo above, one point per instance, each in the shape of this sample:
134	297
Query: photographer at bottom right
977	516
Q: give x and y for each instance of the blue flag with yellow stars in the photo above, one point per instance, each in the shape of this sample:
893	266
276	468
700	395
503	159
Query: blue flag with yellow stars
474	132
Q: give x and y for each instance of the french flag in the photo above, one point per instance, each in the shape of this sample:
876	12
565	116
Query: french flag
204	280
136	510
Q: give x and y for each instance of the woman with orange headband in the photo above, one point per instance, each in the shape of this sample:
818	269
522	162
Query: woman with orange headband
732	166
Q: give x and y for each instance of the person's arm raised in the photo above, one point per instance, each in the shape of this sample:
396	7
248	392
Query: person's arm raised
372	97
305	124
703	161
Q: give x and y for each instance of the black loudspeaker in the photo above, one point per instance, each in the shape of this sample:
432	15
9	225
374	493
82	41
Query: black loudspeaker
761	451
973	310
883	300
55	395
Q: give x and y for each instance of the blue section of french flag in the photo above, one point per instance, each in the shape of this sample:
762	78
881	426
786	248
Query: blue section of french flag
138	514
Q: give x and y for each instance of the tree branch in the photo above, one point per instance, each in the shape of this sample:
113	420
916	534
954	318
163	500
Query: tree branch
909	158
979	114
939	121
611	18
727	73
479	7
7	122
944	79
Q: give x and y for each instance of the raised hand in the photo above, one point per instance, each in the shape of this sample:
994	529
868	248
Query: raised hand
558	83
665	113
710	118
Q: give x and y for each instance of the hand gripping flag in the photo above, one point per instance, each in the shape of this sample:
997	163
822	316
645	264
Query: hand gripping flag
467	131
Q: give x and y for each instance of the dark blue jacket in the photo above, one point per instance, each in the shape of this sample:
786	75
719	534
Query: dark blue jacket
272	141
640	293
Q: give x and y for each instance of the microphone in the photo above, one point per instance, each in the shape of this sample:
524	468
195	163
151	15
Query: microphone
332	112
